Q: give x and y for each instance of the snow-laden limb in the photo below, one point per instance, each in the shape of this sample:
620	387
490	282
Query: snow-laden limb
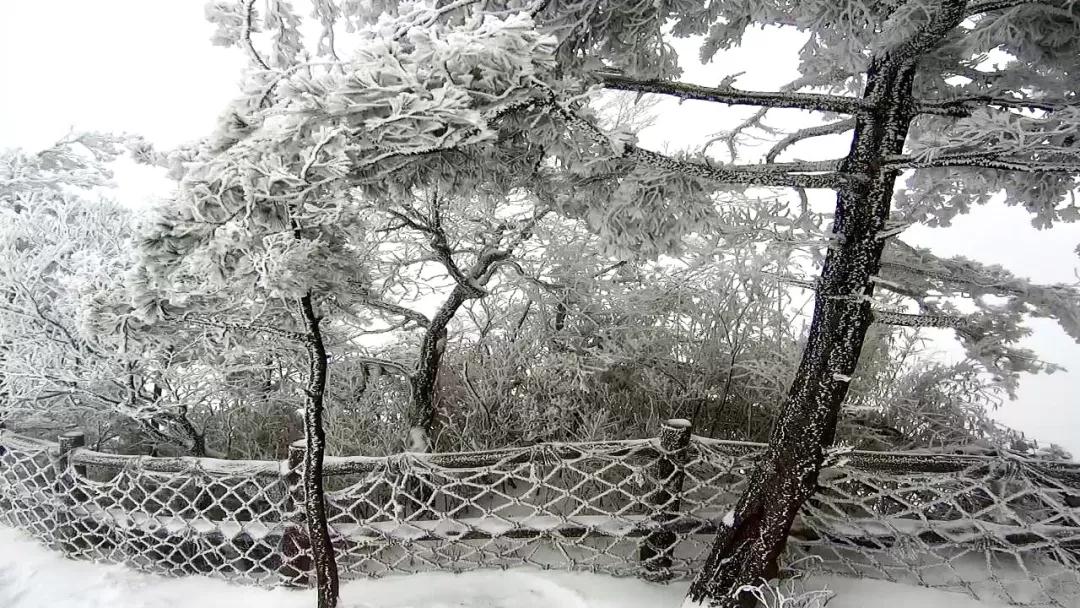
991	333
730	95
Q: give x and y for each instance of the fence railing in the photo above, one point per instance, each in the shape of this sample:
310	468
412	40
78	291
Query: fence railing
998	527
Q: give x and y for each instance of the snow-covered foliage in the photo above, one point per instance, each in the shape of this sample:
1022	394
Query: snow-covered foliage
71	352
381	154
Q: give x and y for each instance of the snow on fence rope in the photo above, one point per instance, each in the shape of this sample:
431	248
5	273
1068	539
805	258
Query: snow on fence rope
998	527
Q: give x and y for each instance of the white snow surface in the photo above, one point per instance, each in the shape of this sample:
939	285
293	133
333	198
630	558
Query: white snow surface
32	576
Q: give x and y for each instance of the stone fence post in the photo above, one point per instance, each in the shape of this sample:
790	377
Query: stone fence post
68	442
669	470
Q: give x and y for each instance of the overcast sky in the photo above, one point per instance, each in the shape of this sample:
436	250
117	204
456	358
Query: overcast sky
148	68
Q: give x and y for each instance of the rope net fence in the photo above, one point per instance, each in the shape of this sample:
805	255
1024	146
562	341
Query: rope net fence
999	527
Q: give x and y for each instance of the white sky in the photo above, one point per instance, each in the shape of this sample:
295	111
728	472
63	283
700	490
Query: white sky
148	68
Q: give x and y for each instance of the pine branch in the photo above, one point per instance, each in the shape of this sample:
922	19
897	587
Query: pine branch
794	138
965	106
729	95
751	175
945	16
987	161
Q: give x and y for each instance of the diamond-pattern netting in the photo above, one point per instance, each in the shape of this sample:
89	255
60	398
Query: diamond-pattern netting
996	527
28	487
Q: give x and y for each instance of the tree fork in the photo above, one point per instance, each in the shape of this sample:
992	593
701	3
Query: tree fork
747	551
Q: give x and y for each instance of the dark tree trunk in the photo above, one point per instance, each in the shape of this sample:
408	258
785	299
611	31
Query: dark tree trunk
322	549
432	347
746	552
198	440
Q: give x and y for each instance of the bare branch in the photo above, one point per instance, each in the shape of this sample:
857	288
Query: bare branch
794	138
386	364
608	269
441	246
395	309
729	95
776	174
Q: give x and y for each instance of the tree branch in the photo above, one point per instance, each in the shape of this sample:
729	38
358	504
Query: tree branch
749	175
441	245
776	174
985	6
395	309
794	138
249	15
977	161
912	320
948	14
816	102
386	364
964	106
275	331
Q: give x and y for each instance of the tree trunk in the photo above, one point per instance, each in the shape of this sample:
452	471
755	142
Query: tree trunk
322	549
432	347
198	440
747	552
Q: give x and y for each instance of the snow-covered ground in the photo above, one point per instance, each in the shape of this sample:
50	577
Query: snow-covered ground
34	577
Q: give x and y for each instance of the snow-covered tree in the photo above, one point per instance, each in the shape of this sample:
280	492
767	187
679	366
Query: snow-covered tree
268	234
69	352
457	96
915	81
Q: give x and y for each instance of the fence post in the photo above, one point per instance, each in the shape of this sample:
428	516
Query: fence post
66	534
670	469
296	566
69	441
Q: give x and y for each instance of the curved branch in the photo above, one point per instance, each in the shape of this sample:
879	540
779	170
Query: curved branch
395	309
249	14
386	364
794	138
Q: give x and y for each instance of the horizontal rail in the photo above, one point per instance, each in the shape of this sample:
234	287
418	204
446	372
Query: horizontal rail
178	464
890	462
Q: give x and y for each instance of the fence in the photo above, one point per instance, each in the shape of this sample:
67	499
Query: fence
997	527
